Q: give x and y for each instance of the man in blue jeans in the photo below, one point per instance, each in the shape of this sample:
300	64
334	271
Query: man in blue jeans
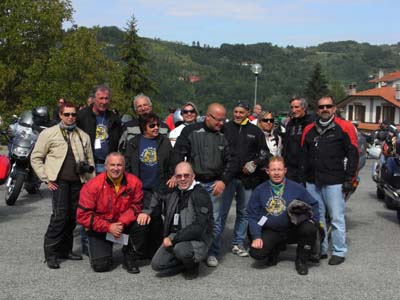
252	151
208	150
329	166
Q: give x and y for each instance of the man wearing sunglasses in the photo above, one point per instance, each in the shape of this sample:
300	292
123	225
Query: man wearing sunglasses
291	141
208	150
58	153
327	143
189	115
252	152
141	104
188	225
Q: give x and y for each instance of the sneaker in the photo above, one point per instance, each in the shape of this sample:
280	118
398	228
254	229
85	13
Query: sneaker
335	260
212	261
240	250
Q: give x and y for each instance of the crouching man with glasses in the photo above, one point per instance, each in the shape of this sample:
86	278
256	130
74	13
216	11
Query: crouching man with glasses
188	225
63	159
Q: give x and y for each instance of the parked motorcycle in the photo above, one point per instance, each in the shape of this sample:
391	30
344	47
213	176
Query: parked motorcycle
21	138
386	172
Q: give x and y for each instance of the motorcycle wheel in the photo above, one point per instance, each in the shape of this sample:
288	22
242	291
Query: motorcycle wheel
389	203
14	189
380	194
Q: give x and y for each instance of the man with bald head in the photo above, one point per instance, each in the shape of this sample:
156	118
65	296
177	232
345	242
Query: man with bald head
187	227
206	147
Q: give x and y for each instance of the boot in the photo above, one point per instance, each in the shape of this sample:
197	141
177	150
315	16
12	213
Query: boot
130	264
301	266
303	255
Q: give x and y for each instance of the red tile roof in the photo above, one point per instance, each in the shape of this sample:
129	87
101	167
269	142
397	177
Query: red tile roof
387	77
387	93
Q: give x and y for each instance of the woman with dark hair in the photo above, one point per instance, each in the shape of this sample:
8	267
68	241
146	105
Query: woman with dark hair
272	137
148	157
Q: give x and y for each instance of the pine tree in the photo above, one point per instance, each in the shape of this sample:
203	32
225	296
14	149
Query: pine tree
135	74
317	86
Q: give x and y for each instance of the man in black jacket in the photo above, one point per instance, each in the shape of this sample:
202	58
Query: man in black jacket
188	225
291	142
213	162
102	125
252	152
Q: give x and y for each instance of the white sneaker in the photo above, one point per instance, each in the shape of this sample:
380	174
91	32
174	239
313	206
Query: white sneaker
240	250
212	261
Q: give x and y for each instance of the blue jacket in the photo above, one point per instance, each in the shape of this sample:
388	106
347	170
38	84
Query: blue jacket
262	204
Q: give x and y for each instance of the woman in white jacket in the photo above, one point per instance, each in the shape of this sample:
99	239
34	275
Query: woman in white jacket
273	139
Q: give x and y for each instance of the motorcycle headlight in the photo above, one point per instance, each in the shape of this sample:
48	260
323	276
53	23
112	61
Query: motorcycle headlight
20	151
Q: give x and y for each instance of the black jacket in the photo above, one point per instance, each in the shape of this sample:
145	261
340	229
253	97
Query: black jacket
291	145
87	122
249	143
164	153
209	153
175	201
325	150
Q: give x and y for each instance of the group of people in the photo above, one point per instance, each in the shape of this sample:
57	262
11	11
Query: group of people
166	195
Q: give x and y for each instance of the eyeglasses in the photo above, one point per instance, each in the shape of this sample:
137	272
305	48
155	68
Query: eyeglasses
187	111
182	176
70	115
152	125
218	120
325	106
267	120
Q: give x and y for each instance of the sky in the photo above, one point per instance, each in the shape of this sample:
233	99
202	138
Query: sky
299	23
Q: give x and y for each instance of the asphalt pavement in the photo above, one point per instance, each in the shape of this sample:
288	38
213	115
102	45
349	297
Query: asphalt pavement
371	269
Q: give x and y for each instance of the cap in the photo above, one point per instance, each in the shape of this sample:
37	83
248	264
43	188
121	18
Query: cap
243	104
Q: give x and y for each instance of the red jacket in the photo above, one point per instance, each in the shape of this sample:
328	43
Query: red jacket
99	204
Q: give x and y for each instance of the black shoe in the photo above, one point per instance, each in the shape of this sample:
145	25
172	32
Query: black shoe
72	256
301	266
324	256
272	260
130	266
191	273
52	262
335	260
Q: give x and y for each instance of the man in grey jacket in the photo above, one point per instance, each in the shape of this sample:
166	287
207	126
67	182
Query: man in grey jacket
63	159
188	225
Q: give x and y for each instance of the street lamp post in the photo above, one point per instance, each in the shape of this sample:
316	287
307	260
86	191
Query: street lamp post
256	69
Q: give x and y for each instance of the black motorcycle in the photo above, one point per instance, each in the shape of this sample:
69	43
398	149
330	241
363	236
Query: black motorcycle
21	138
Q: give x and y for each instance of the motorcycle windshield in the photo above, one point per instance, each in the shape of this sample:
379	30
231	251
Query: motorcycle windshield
24	140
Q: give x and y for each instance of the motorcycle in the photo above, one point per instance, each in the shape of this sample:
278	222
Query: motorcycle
386	172
21	140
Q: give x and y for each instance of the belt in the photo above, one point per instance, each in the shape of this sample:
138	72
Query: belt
99	161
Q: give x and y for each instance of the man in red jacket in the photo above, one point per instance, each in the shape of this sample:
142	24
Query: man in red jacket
110	209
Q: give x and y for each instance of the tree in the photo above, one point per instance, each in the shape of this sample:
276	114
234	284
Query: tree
317	86
71	71
135	74
337	91
28	30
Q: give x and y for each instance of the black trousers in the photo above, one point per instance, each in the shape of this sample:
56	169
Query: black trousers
101	250
58	240
274	241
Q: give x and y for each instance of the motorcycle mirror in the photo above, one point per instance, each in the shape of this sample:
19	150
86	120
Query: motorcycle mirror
392	129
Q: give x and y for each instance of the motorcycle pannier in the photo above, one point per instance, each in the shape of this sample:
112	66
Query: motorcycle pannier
4	168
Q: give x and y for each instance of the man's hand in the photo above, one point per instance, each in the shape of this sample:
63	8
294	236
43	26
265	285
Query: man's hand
52	185
347	187
143	219
167	242
218	187
171	183
249	168
257	244
116	229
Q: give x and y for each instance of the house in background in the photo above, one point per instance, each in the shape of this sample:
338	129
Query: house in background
371	107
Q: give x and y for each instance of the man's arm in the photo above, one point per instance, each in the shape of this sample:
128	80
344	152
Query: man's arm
136	202
38	156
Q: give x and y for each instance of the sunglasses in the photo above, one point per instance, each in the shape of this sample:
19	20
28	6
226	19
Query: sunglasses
267	120
187	111
152	125
325	106
182	176
70	115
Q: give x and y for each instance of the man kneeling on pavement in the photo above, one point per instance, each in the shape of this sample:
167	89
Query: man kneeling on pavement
188	225
281	211
109	206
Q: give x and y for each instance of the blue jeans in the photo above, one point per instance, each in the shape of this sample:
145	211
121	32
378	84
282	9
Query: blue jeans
217	206
330	199
99	168
235	187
